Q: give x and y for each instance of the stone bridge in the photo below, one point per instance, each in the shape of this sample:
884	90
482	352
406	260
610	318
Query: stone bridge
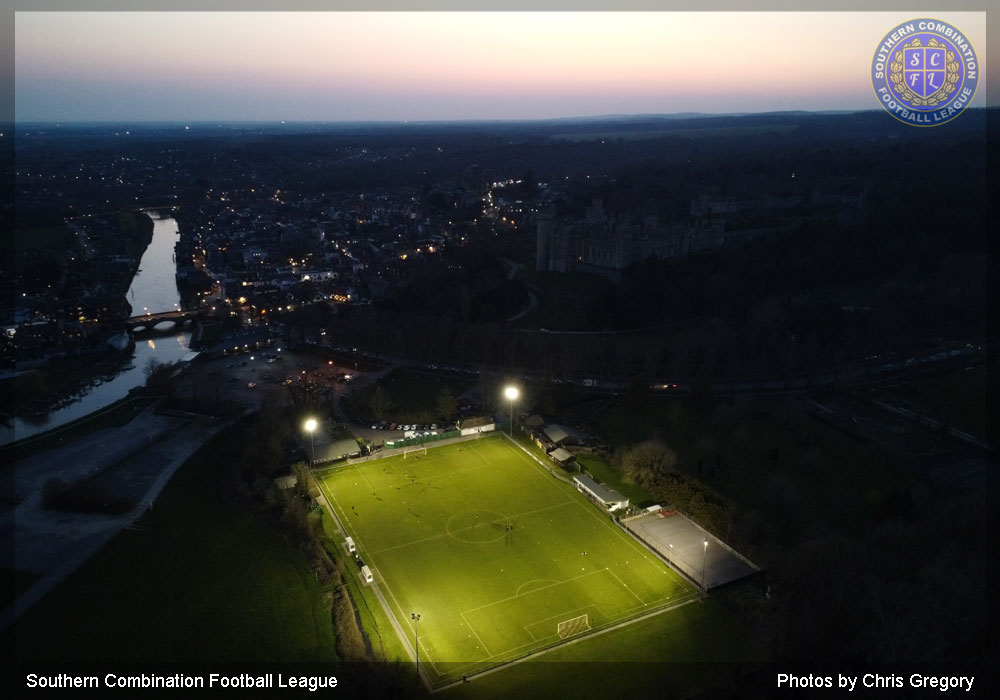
145	323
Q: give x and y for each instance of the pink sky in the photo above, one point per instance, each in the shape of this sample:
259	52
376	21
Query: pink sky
434	65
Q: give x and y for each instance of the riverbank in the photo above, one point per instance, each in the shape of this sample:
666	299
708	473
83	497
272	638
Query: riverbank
61	382
70	388
56	367
147	451
117	414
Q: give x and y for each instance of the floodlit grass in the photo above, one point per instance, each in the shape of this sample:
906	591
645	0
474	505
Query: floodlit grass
201	580
386	645
492	551
674	655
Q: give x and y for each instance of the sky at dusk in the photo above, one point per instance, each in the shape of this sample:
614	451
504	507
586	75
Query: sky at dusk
344	66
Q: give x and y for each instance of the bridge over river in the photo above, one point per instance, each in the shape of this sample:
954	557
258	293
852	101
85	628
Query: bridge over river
159	321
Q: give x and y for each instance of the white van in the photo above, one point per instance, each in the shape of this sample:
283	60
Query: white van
350	545
366	574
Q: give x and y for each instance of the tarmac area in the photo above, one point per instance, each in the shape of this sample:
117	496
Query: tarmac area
705	560
140	456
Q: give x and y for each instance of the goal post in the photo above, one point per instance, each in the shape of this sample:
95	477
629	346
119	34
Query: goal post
418	450
575	625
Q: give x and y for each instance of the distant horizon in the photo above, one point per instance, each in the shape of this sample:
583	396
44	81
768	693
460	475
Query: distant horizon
510	120
397	67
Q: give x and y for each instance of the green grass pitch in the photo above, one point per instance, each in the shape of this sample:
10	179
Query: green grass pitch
493	552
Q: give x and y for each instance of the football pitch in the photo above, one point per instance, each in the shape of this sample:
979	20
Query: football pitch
498	557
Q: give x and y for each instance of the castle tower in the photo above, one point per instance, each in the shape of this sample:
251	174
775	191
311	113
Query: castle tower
544	221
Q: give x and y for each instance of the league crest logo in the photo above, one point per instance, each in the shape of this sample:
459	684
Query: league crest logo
925	72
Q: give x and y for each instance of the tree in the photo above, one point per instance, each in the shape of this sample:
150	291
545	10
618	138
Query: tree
158	377
445	404
304	480
648	463
380	403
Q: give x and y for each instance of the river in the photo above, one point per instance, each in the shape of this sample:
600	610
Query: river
154	289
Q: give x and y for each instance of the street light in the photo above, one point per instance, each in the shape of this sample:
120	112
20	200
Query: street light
511	393
704	554
416	638
310	427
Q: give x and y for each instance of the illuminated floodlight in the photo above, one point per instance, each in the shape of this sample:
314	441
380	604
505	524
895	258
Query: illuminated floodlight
310	426
511	392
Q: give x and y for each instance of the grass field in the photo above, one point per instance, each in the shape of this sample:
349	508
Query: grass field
493	552
200	580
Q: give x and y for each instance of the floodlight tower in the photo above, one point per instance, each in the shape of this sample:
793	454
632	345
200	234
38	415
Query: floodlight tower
310	426
416	638
704	554
511	393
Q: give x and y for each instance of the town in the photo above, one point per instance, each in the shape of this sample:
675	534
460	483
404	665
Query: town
636	370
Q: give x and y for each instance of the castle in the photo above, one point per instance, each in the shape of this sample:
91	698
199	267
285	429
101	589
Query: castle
605	245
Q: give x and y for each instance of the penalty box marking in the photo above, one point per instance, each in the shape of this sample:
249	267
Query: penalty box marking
478	638
535	580
515	596
466	614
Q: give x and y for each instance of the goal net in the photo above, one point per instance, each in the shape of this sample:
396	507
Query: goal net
407	451
576	625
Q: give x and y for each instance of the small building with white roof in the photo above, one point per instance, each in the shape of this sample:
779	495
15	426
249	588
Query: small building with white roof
602	494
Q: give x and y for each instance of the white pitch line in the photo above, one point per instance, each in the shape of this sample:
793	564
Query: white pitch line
470	527
473	629
513	597
607	523
406	620
626	587
481	456
361	473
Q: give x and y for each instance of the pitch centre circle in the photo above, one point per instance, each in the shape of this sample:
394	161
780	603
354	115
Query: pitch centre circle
479	526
